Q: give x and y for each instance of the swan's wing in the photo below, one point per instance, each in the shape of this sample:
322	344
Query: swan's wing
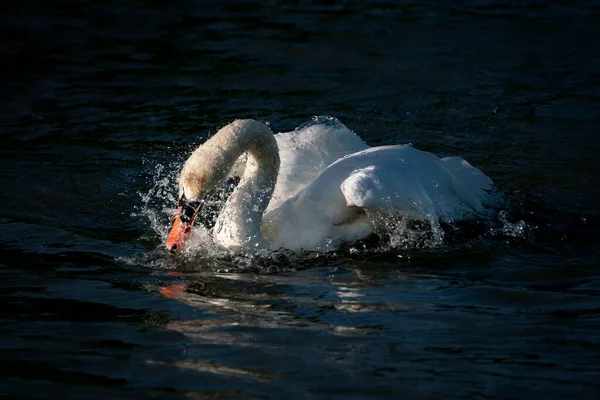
415	183
374	188
307	151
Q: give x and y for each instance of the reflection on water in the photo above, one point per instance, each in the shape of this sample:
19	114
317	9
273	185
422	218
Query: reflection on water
100	104
395	322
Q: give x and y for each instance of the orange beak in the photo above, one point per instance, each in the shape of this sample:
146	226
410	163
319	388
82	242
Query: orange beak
180	231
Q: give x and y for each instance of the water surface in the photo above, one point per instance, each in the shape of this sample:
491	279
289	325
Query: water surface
101	104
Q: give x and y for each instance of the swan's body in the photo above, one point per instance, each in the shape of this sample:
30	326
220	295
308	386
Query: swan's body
318	193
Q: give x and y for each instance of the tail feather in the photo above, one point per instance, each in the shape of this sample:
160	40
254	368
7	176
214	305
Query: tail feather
472	178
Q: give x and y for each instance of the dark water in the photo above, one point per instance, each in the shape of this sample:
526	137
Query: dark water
101	100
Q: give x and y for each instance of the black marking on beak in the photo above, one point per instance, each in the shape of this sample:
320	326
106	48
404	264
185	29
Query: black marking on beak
206	210
189	209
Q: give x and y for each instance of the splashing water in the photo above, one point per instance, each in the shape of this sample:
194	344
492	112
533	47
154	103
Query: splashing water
517	229
157	203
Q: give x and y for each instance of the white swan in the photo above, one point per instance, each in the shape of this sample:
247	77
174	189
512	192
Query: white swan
301	196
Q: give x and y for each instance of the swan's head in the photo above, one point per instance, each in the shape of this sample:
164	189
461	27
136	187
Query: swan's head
182	226
195	192
198	181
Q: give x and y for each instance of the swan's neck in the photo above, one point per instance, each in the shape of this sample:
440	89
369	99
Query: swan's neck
238	224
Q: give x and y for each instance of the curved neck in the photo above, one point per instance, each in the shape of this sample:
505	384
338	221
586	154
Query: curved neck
238	224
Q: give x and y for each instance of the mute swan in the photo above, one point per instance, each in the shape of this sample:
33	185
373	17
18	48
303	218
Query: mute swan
301	203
